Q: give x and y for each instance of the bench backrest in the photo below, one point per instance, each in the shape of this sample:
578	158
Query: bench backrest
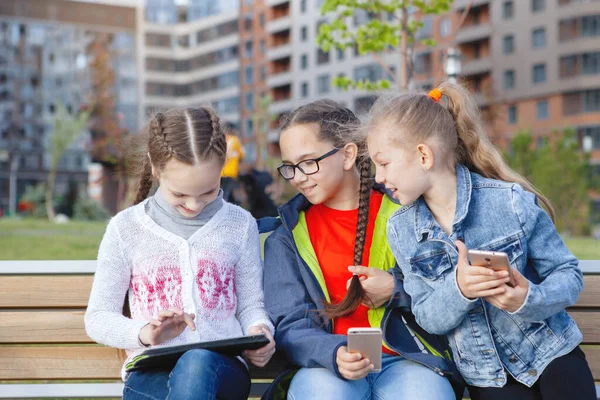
43	335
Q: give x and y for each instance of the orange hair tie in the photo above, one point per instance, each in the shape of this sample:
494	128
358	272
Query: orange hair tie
435	95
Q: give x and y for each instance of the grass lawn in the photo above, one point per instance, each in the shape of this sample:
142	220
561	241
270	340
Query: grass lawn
32	239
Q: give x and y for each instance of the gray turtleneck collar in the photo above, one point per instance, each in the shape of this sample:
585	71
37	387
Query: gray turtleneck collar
167	217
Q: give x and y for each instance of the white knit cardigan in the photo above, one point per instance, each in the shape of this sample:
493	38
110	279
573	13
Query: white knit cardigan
215	274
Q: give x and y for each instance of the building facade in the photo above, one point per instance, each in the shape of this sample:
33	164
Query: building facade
191	56
45	63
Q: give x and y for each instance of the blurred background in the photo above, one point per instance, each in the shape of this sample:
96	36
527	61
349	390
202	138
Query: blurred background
78	77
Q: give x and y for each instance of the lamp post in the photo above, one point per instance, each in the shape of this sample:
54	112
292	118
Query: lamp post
452	67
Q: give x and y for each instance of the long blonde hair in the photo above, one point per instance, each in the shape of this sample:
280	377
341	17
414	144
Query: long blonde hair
457	127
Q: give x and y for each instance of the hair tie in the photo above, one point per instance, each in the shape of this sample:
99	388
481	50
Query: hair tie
435	95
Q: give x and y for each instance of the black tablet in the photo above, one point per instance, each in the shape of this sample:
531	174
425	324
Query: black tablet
166	357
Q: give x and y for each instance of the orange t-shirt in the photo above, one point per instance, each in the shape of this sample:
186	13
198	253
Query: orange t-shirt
333	234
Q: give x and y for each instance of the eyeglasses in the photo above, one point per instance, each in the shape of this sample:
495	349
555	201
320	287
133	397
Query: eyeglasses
307	167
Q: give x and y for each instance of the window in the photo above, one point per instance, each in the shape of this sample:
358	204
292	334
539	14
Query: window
590	64
248	127
445	27
304	33
249	75
322	57
539	73
302	6
538	38
537	5
262	20
591	100
590	25
263	73
542	110
249	101
509	44
512	114
304	61
509	79
507	9
183	41
340	54
323	84
305	89
568	66
248	22
263	46
248	49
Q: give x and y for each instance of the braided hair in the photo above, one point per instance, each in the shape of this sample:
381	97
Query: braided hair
339	126
189	135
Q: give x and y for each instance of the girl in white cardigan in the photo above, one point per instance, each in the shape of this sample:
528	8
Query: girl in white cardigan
187	264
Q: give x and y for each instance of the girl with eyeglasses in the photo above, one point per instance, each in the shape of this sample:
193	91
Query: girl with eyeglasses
327	236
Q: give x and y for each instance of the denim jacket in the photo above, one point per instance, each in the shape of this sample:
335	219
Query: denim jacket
486	341
293	294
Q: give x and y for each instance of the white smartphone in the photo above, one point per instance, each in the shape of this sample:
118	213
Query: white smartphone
496	260
367	342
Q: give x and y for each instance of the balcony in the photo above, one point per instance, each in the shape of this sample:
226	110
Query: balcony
280	51
272	3
474	33
476	66
462	4
279	24
280	79
281	106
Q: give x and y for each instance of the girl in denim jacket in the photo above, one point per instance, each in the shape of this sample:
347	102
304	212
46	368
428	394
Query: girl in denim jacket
458	193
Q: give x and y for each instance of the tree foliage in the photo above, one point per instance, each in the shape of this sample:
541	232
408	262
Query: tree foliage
561	171
391	26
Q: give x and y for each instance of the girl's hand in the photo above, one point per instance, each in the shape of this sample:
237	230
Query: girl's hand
169	324
260	357
474	281
378	285
513	298
352	365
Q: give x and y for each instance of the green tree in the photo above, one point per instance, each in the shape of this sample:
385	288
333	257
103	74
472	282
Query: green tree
261	120
561	171
392	25
66	129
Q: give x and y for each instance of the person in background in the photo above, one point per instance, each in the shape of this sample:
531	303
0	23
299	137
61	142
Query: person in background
255	184
229	175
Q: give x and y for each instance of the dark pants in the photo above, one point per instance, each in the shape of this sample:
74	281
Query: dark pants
198	374
567	377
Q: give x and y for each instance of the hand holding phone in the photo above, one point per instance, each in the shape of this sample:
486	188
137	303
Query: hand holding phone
475	281
367	342
496	260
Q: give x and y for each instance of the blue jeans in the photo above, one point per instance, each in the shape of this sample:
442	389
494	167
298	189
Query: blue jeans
399	379
198	374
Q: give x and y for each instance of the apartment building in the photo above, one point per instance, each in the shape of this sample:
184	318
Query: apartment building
45	60
191	56
299	72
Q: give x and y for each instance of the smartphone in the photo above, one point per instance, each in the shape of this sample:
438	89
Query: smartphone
368	342
497	260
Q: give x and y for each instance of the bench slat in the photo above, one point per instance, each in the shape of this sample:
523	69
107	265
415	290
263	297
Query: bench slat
73	291
58	362
43	327
87	362
66	291
589	323
590	297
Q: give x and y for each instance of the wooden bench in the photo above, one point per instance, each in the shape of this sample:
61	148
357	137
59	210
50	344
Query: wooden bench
45	352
